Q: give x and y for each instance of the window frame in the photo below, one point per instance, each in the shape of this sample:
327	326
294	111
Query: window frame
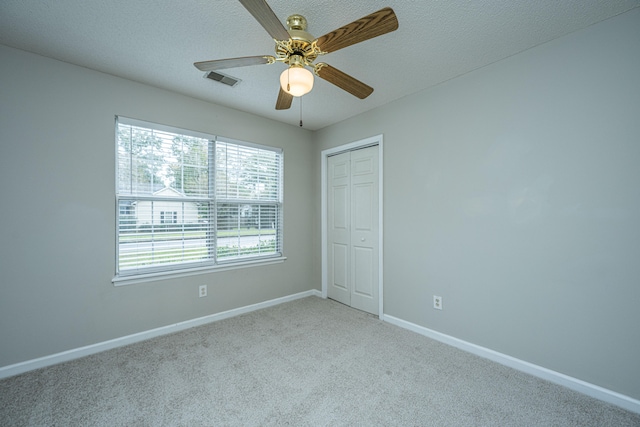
212	264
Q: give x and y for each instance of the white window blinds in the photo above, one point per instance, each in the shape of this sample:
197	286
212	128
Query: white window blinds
248	194
189	200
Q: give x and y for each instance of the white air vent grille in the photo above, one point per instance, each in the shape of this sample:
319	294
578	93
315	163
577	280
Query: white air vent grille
222	78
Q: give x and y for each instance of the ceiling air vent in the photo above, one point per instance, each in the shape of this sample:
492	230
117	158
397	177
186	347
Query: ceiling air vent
222	78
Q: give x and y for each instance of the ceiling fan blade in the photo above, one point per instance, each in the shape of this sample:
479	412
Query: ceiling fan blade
368	27
265	17
284	100
344	81
221	64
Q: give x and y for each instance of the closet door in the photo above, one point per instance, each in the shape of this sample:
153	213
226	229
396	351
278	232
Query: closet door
364	229
338	236
353	229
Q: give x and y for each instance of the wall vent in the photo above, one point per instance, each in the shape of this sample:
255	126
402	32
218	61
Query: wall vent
222	78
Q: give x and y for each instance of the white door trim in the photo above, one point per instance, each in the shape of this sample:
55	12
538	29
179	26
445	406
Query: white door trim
324	155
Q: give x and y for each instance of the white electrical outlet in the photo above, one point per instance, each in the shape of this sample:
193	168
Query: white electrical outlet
437	302
202	291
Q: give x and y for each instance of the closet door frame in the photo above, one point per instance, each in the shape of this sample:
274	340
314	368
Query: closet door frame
324	156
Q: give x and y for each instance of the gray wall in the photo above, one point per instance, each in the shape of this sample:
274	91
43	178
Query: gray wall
514	193
57	187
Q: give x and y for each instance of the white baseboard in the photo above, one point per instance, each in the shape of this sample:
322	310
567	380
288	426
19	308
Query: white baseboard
583	387
54	359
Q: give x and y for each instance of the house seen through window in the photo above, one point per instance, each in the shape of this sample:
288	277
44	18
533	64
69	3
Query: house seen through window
189	200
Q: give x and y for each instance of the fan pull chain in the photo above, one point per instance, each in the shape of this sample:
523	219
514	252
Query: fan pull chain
288	87
301	111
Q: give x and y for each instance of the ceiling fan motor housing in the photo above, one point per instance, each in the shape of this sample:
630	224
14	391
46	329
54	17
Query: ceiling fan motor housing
300	43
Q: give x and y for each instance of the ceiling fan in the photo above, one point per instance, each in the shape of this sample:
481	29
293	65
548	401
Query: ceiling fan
299	49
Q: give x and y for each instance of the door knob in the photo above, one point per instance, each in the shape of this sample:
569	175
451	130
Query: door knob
362	240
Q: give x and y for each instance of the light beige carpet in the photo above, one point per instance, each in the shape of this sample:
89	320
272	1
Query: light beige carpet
310	362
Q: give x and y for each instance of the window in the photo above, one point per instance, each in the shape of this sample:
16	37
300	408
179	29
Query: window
187	200
168	217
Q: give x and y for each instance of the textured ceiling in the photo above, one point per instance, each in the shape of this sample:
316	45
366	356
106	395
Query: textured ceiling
157	41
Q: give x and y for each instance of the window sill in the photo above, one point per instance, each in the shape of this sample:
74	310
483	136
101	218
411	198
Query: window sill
164	275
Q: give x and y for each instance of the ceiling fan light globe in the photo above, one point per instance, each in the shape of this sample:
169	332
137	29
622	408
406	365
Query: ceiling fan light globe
296	81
